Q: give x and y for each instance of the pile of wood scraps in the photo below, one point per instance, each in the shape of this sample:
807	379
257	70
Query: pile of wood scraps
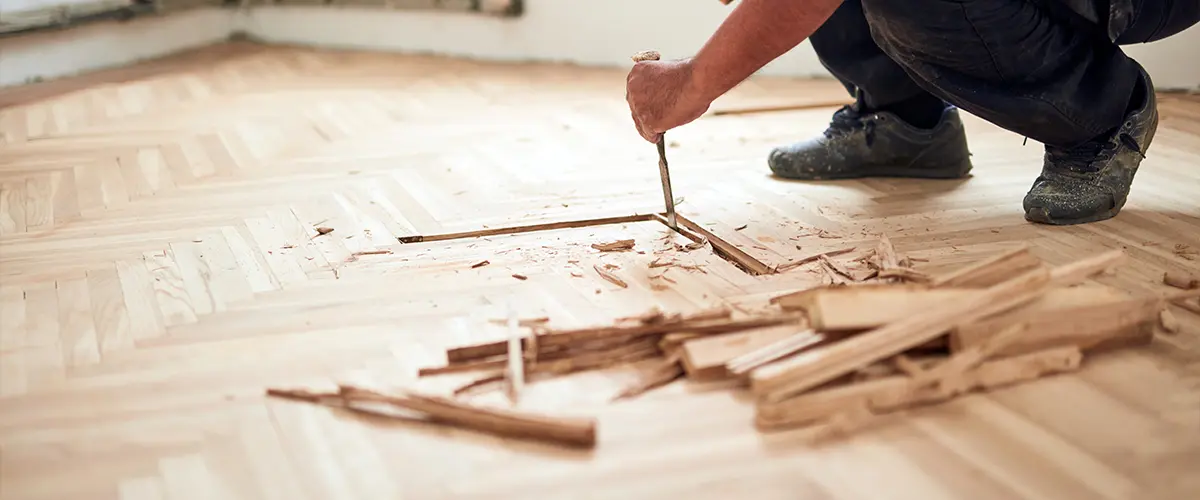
840	354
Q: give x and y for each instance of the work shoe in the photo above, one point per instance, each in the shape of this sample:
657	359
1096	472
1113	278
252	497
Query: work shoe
877	144
1090	182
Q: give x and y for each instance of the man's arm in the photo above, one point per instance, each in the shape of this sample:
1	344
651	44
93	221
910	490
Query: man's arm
755	33
666	94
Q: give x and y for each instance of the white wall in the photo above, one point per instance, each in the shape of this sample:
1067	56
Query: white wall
10	6
593	33
54	54
603	32
577	31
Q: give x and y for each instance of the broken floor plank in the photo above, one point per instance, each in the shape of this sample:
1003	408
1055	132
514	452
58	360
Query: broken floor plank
1181	280
808	370
991	271
552	338
574	432
1092	318
805	371
704	358
897	392
836	308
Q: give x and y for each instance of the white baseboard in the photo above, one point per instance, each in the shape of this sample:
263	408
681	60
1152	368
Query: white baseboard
48	55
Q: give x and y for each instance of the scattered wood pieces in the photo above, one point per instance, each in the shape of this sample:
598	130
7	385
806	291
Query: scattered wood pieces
479	384
610	277
741	227
480	264
523	323
575	432
866	306
1185	252
1181	280
787	378
774	351
1168	322
614	246
515	375
897	392
836	268
664	374
521	277
812	258
705	358
371	252
323	230
1192	306
991	271
904	275
1090	317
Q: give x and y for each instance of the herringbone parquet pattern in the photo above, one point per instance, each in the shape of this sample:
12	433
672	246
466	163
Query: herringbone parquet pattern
160	265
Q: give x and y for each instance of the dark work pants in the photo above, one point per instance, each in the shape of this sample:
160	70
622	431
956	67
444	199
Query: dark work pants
1051	70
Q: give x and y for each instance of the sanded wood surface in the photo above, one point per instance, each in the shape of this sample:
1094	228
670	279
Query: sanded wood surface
164	260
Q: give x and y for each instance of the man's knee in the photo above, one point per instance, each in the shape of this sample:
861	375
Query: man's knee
1154	20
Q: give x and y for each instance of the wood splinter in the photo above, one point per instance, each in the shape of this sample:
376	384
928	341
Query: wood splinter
1181	280
614	246
574	432
610	277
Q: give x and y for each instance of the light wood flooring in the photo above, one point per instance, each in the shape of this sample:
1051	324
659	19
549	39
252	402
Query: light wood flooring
159	268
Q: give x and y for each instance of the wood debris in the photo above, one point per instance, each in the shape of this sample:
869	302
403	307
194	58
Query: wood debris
1181	280
843	356
610	277
323	230
574	432
615	246
659	262
812	258
664	374
528	323
1186	252
695	245
371	252
1168	322
480	264
521	277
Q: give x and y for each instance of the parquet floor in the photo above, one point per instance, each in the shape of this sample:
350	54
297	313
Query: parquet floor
159	268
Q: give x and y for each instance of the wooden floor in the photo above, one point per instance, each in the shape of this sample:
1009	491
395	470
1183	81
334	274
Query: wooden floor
159	267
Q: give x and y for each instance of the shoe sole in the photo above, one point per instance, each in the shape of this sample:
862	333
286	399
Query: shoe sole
888	172
1041	217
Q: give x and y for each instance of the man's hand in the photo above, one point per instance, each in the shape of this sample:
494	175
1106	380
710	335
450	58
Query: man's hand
667	94
662	95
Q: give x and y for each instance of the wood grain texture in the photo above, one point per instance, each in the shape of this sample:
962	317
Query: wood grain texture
159	268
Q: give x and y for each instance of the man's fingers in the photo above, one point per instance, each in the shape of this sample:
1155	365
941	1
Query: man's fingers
641	129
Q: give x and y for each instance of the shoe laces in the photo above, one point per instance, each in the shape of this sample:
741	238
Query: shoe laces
848	119
1083	158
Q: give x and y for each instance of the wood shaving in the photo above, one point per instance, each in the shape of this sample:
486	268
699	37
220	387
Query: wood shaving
812	258
1168	322
324	230
371	252
480	264
610	277
695	245
521	277
615	246
837	268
